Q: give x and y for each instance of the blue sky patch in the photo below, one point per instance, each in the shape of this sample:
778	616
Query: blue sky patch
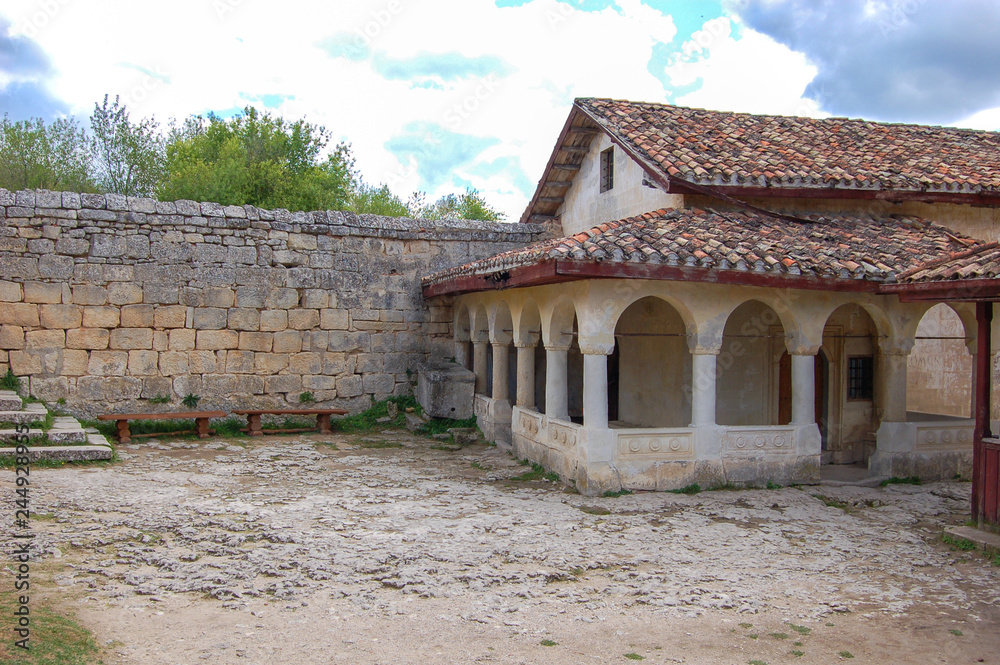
449	66
271	101
508	167
436	150
351	46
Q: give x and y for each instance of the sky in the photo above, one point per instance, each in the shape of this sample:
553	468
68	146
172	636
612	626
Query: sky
441	95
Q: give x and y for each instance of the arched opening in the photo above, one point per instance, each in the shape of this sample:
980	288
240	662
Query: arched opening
530	332
482	356
649	373
502	335
463	336
939	369
847	415
563	337
748	367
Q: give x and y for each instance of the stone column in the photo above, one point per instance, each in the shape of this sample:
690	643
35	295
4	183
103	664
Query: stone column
893	382
556	389
479	365
501	358
526	375
703	380
804	388
595	385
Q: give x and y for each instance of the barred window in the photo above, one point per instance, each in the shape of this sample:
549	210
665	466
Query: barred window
607	169
860	377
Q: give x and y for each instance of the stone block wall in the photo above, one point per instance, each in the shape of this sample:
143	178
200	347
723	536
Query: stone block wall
108	301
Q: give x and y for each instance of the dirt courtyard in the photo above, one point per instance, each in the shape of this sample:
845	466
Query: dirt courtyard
382	549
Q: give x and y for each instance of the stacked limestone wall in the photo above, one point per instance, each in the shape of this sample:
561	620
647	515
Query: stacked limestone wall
108	301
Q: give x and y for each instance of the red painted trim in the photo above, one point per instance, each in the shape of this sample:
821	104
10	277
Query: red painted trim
678	186
984	321
533	275
965	289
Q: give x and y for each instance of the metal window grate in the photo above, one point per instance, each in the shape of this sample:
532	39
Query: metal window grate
607	169
860	377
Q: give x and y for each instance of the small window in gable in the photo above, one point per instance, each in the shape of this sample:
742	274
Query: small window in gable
607	169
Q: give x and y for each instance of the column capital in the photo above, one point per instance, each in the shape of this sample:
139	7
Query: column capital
597	348
804	350
525	345
557	347
705	350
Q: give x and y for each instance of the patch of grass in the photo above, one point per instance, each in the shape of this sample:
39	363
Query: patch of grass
963	544
231	427
382	443
610	494
552	477
595	510
780	636
773	486
191	400
796	644
994	558
307	397
537	473
797	653
801	630
956	632
548	643
845	654
367	420
756	662
442	425
833	503
746	626
159	399
479	467
10	381
896	480
42	517
753	636
634	656
829	625
693	488
55	638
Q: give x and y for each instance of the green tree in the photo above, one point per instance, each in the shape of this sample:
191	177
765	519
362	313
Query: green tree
34	155
259	159
129	157
470	205
369	199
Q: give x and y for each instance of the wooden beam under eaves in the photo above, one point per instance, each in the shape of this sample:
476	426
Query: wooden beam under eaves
566	167
542	218
550	199
576	149
557	183
591	131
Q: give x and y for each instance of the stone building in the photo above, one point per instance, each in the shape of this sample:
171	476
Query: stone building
737	299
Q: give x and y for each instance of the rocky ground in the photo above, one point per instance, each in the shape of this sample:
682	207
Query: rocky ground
382	549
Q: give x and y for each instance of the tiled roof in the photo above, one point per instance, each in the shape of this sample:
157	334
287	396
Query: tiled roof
719	148
823	246
980	262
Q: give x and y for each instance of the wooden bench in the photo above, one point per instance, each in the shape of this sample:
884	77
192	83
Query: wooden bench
322	419
200	420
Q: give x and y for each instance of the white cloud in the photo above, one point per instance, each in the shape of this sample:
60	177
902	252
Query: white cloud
987	119
751	74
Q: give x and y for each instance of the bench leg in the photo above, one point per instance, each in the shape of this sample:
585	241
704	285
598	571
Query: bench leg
202	427
323	423
124	435
253	424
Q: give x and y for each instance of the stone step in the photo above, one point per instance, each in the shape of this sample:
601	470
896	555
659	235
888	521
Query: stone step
28	414
9	401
